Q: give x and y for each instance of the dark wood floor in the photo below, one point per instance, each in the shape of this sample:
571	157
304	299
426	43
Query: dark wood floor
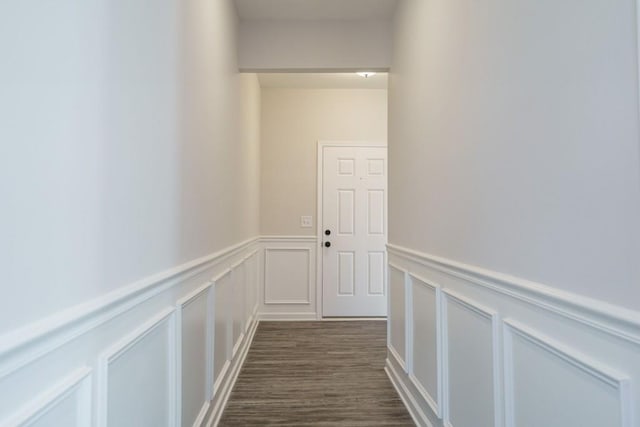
316	374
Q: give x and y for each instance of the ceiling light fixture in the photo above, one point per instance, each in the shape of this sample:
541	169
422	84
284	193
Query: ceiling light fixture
366	74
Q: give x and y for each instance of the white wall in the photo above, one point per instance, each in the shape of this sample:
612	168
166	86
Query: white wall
121	152
514	140
514	209
315	45
248	161
293	121
129	168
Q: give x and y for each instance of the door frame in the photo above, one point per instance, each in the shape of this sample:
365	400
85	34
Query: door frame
319	208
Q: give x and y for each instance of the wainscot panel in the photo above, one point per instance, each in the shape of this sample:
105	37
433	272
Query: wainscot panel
195	335
67	403
158	348
486	349
397	328
426	342
288	271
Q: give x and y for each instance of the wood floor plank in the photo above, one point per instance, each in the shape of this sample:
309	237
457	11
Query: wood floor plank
316	374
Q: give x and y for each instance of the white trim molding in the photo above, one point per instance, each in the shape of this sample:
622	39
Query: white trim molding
308	274
101	331
287	317
206	292
76	385
494	318
127	344
221	379
25	345
619	382
592	347
228	323
435	403
287	283
287	239
611	319
395	372
228	377
391	348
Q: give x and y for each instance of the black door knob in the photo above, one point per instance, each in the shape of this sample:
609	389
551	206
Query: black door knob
327	232
327	244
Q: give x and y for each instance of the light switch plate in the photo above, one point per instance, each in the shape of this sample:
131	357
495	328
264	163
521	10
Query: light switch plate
306	221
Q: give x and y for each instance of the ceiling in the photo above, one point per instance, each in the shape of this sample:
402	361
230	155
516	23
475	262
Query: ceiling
315	9
322	81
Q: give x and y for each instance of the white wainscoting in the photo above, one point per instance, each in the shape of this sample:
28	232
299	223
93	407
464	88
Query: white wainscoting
397	304
67	403
164	351
471	362
288	290
474	348
121	381
195	337
426	341
605	397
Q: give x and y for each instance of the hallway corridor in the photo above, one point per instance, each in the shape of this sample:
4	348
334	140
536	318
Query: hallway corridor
316	374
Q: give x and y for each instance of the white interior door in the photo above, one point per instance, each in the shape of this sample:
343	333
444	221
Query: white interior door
354	230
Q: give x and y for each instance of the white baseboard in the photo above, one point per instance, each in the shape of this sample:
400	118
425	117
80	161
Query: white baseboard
399	380
287	317
231	375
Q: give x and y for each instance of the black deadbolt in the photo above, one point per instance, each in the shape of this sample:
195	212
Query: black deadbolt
327	244
327	232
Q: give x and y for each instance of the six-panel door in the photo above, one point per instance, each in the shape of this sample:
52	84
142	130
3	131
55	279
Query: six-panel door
354	207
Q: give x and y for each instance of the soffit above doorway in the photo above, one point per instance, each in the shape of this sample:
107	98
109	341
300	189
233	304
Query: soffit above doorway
322	81
315	9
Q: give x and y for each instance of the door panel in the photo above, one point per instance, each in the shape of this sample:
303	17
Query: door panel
376	273
354	210
346	208
346	273
375	212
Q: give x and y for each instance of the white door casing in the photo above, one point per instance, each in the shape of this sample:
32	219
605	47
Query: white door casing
353	207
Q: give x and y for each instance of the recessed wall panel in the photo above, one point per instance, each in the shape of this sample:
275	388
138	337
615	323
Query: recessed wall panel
251	280
426	369
238	302
194	331
64	413
513	355
66	403
287	275
397	311
549	385
222	311
138	382
470	357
